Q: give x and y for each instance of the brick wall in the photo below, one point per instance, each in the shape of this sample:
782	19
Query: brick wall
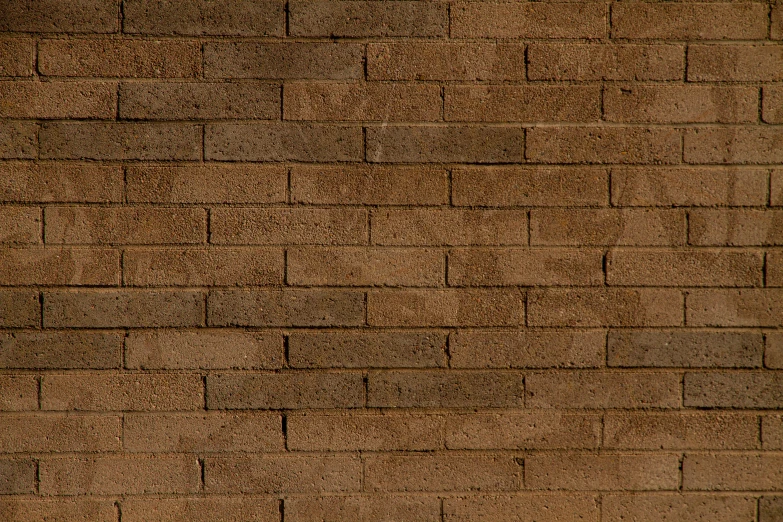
327	260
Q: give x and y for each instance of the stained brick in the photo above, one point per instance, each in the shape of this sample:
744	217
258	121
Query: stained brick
28	182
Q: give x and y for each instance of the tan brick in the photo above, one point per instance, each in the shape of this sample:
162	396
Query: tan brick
528	20
598	61
530	186
205	17
680	431
377	507
690	21
735	63
203	267
527	349
602	389
20	225
602	472
776	187
324	432
284	474
772	105
445	61
665	507
754	472
212	509
60	16
289	61
762	389
675	348
363	349
58	100
16	56
541	508
59	433
445	389
60	182
772	432
203	349
751	307
442	473
369	185
120	58
120	475
445	308
286	307
18	393
773	352
770	507
18	140
61	349
736	227
19	308
289	390
17	476
125	225
776	33
59	266
202	432
652	145
736	145
451	227
24	510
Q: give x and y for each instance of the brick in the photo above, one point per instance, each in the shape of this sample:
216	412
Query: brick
690	21
290	390
58	100
734	145
203	267
204	17
203	349
543	508
528	20
773	352
56	16
770	508
602	389
115	58
441	473
449	227
664	507
289	61
18	393
358	19
529	186
445	61
776	188
732	472
598	61
122	308
366	349
288	474
23	510
445	389
692	349
125	225
454	144
752	307
736	227
20	225
776	28
27	182
18	140
525	267
61	350
735	63
361	102
16	56
386	508
202	432
688	187
369	185
120	475
19	308
325	432
530	430
60	433
772	105
445	308
200	509
680	431
734	389
527	349
17	476
651	145
284	307
326	266
59	266
772	432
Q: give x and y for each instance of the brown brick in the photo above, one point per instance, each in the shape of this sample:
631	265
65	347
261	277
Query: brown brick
20	225
289	390
680	431
59	16
24	510
18	393
530	186
773	354
203	267
772	105
772	432
771	507
289	61
116	58
376	507
752	307
693	349
369	185
120	475
688	186
445	389
743	227
442	473
286	307
776	187
325	432
59	266
202	432
363	349
603	145
754	472
17	476
736	145
542	508
602	472
445	61
735	63
528	20
60	182
196	509
58	100
357	19
203	349
18	140
452	227
445	307
205	17
19	308
665	507
527	349
58	433
762	389
125	225
16	56
597	61
325	266
61	350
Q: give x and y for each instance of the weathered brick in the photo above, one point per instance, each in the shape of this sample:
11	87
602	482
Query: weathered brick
58	433
58	100
16	56
60	182
59	16
60	349
201	509
772	432
18	140
735	63
20	225
771	507
736	227
734	389
375	507
772	105
543	508
735	145
17	476
19	308
776	187
773	350
753	472
18	393
776	33
528	20
751	307
205	17
665	507
24	510
59	266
